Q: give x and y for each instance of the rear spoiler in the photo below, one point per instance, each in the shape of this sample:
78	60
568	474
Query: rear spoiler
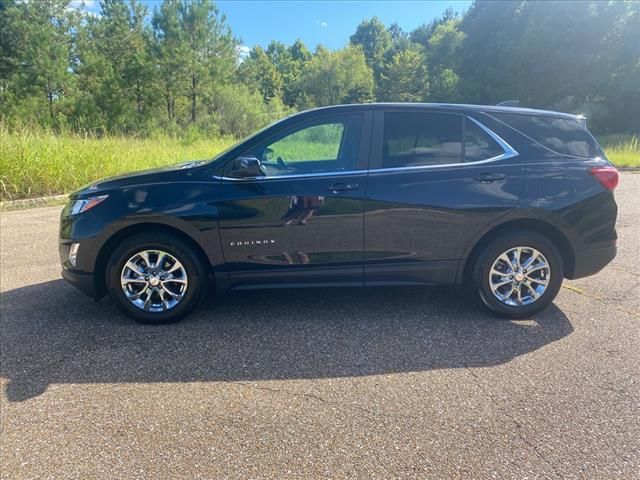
581	119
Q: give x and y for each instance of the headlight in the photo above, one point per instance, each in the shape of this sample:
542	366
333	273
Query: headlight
79	206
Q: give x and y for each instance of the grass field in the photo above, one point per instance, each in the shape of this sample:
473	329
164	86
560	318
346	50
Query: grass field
34	164
38	164
622	150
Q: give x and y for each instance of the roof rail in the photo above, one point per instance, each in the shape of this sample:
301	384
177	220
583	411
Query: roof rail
509	103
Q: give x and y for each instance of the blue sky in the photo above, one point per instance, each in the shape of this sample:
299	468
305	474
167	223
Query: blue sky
327	22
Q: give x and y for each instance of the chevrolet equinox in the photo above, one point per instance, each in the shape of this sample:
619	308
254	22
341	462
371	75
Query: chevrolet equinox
507	200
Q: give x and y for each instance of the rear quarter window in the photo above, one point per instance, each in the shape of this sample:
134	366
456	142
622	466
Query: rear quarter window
562	135
478	145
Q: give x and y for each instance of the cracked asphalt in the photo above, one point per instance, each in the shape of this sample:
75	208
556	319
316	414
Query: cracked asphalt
324	383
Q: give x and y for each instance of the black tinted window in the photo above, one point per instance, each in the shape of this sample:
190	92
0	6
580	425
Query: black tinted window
416	139
478	145
562	135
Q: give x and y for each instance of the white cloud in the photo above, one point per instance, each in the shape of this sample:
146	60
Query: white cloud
322	23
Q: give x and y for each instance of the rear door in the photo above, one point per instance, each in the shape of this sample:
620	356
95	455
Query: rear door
302	221
429	193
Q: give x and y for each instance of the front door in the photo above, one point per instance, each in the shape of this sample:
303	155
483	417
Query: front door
301	219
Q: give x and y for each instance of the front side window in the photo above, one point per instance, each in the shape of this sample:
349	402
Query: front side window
326	146
413	139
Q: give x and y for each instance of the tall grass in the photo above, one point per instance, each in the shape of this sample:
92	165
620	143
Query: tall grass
37	163
34	163
622	150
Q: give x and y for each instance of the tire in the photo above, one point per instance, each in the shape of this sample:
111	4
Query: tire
172	295
534	296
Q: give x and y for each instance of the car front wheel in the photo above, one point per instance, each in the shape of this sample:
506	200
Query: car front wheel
518	275
155	278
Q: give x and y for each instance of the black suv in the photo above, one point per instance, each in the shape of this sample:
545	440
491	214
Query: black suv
508	200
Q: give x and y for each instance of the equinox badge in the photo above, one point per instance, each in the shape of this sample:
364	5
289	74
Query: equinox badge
252	242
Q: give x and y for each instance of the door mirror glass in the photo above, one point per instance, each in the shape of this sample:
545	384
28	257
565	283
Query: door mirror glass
245	167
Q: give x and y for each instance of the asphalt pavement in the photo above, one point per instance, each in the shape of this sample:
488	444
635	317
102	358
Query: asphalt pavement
321	383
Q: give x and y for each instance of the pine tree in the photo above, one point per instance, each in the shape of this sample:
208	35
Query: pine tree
40	34
194	49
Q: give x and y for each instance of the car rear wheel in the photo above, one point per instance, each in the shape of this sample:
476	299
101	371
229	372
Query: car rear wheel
518	275
154	280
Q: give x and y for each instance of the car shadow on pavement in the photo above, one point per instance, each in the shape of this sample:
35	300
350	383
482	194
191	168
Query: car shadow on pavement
52	334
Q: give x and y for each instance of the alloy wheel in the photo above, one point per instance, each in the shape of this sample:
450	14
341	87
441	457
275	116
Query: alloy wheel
519	276
154	281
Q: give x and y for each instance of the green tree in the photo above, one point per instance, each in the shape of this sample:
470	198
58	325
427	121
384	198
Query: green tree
194	48
575	55
336	77
443	57
114	66
167	49
300	57
37	53
299	52
289	62
405	77
259	71
121	69
396	32
374	38
422	33
9	58
238	111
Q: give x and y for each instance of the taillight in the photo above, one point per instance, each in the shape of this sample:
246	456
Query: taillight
607	176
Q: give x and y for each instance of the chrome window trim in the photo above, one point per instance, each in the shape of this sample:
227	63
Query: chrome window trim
508	152
298	175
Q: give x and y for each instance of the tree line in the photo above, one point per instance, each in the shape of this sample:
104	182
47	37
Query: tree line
180	67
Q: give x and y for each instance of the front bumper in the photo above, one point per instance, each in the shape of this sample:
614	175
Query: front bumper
85	282
76	275
590	262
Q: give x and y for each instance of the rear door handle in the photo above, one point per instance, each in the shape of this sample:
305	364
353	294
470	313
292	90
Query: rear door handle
341	187
489	177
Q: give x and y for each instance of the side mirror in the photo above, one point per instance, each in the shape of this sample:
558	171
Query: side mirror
244	167
267	155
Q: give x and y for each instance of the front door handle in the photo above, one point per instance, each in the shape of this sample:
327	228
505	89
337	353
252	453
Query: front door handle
341	187
489	177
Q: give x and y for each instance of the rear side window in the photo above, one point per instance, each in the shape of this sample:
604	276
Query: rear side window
562	135
413	139
478	145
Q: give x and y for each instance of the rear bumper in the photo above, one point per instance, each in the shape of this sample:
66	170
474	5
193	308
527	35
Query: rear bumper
85	282
589	262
